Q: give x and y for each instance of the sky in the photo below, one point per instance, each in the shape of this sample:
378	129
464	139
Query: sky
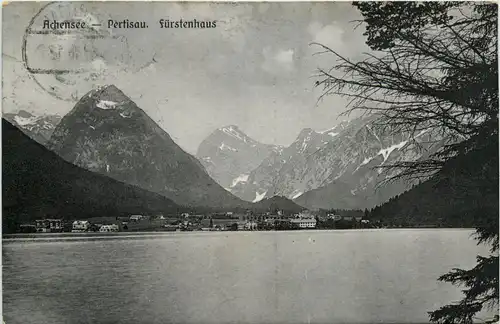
255	69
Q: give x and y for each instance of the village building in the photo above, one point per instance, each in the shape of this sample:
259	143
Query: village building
334	217
136	218
241	225
109	228
251	226
80	226
49	225
304	222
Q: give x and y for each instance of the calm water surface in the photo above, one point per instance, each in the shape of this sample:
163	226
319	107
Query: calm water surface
364	276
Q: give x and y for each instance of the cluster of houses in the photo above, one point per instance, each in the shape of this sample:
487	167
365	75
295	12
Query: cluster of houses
49	225
53	225
265	221
190	222
80	226
242	222
59	225
303	220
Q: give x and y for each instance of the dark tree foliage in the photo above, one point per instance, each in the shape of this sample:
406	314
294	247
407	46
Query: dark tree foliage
345	212
37	183
434	68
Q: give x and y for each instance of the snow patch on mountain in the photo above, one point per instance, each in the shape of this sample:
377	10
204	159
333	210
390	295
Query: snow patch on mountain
366	161
387	151
106	104
259	197
241	178
296	194
23	121
385	154
207	159
422	132
278	149
305	142
223	147
337	129
232	131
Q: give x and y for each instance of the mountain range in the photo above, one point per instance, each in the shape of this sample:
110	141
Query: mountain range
338	168
107	133
38	184
39	128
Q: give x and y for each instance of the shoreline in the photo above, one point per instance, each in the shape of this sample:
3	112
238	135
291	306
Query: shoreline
73	237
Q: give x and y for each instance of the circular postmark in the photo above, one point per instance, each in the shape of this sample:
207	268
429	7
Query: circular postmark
68	50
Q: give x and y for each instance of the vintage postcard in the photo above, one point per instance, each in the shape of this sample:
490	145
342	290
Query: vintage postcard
250	162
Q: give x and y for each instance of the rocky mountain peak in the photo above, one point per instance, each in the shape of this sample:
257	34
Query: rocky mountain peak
104	104
230	128
39	127
234	133
110	92
309	140
107	97
103	88
107	133
337	129
228	155
305	132
335	167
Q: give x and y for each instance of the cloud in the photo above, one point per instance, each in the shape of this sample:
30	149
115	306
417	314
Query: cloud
285	57
278	61
328	35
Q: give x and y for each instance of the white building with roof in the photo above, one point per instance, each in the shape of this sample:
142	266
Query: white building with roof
304	222
136	218
49	225
80	226
251	226
109	228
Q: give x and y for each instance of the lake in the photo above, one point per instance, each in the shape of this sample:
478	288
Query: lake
352	276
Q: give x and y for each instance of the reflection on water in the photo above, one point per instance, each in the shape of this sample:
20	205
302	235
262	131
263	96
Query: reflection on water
255	277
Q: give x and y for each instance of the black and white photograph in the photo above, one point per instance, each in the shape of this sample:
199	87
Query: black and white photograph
250	162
